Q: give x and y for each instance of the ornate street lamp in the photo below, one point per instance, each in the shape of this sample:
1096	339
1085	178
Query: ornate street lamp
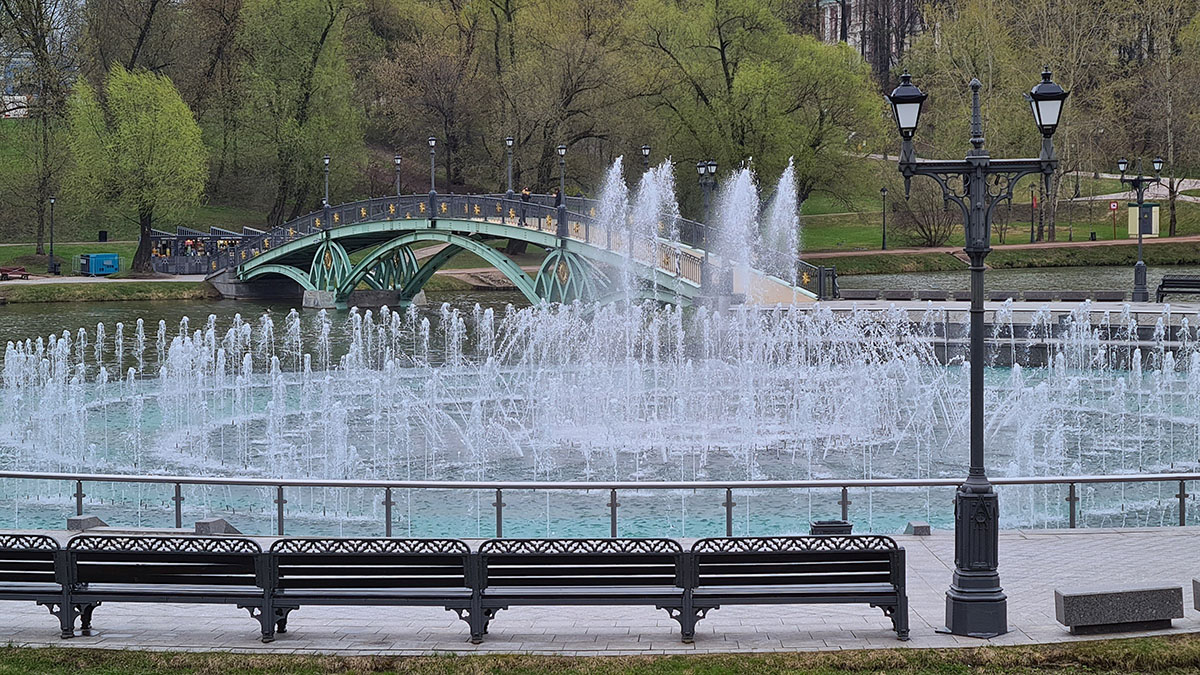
396	159
52	268
975	604
562	190
1139	185
645	158
326	160
508	146
883	194
432	179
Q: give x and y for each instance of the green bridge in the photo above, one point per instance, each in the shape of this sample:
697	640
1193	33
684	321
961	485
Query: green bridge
370	244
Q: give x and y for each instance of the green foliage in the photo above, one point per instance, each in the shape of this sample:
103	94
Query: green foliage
137	150
298	99
734	84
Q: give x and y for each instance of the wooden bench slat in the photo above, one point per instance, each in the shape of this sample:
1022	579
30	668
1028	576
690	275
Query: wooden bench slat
793	580
801	566
373	582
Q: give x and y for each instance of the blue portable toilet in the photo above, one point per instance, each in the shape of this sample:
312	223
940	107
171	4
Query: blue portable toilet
99	264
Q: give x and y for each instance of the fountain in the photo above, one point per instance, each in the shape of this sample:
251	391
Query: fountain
627	391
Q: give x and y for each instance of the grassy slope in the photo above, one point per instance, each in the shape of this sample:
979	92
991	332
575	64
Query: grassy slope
1177	653
115	291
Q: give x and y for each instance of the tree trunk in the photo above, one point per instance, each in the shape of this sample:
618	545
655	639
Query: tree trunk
141	259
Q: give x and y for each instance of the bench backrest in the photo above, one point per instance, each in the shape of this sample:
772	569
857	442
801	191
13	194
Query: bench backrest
27	558
331	563
164	561
581	562
797	561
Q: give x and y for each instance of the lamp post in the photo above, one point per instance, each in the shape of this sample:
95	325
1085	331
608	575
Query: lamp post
52	268
562	190
707	175
432	179
645	158
1139	185
975	604
326	160
396	159
1032	212
883	194
508	146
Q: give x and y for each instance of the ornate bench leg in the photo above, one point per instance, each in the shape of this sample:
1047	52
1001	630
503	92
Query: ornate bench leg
281	618
474	618
899	616
85	616
265	616
66	613
687	617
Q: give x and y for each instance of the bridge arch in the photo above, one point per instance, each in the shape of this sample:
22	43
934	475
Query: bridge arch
296	275
457	244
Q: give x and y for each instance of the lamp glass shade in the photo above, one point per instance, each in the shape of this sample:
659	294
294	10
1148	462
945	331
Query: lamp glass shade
701	167
1046	100
1122	165
906	101
432	141
508	140
326	160
883	191
562	151
645	151
52	200
712	167
397	160
1157	164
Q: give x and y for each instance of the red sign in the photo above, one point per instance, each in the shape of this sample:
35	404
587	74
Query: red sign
1112	206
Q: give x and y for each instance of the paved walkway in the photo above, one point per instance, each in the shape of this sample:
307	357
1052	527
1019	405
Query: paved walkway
1032	565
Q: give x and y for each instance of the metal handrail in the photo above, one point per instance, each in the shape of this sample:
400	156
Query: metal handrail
498	487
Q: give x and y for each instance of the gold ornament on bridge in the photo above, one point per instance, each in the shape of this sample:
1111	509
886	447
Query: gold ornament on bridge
243	255
408	215
291	232
576	230
512	213
316	222
391	209
499	209
562	272
214	264
328	260
666	260
335	218
421	207
266	243
362	212
804	279
478	210
444	207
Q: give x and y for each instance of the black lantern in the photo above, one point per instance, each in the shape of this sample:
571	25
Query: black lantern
701	168
1046	99
712	167
645	151
906	101
1123	165
508	141
1158	165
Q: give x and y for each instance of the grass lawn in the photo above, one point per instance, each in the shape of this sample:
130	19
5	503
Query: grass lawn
113	291
67	254
1176	653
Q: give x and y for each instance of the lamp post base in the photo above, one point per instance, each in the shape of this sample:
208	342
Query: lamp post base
975	604
1140	293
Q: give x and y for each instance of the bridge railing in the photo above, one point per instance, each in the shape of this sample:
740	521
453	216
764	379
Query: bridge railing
276	491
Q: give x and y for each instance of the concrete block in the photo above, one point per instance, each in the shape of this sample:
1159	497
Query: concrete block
84	522
859	293
962	295
1039	296
319	300
1075	296
215	526
1001	296
933	295
898	295
918	527
1110	296
1115	610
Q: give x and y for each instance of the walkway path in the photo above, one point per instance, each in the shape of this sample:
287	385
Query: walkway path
1032	565
1191	238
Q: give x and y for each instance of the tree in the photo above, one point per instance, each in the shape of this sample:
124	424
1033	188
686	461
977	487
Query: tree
924	219
734	84
298	97
44	29
137	151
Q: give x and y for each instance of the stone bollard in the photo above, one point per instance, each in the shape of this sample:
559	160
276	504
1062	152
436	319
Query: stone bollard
84	522
215	526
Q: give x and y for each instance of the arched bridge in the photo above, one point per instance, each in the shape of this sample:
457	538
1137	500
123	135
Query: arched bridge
332	252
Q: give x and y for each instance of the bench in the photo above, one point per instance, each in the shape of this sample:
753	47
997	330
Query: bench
28	573
7	273
1093	611
370	572
549	572
866	569
859	293
175	569
1177	283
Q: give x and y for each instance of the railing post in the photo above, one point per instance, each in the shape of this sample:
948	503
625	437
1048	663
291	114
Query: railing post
79	497
178	499
728	504
499	504
387	511
1182	502
279	501
845	502
1072	499
612	513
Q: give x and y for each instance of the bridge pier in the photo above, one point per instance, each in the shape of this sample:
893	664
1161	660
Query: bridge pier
319	300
